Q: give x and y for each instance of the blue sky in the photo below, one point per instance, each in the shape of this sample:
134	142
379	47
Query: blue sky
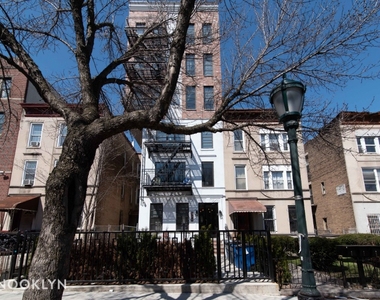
357	95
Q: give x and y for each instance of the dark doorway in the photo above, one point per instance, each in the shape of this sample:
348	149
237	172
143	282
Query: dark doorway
208	216
243	221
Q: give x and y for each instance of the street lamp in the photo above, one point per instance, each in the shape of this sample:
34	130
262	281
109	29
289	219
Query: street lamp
288	98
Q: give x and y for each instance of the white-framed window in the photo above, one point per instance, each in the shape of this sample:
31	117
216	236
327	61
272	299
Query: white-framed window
30	168
240	177
62	134
272	141
238	140
5	87
277	178
371	177
206	140
270	218
35	135
368	144
374	223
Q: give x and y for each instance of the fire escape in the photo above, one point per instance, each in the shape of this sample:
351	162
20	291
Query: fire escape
147	70
168	152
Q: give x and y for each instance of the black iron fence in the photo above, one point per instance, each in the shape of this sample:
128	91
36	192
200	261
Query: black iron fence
170	256
192	256
16	252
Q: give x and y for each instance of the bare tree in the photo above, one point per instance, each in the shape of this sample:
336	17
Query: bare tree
318	42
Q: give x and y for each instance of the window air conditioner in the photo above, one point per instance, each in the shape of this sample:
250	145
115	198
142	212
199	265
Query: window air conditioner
28	182
35	144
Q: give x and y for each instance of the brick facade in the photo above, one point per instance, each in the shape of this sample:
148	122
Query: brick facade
327	168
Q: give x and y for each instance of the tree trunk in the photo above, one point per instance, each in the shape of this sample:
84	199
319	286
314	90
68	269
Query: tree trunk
65	195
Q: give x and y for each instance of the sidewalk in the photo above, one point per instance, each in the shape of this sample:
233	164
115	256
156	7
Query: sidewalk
206	291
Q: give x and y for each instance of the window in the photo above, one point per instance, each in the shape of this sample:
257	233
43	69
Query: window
208	97
207	65
269	218
190	64
368	144
292	218
168	137
156	212
5	87
371	179
238	140
35	135
2	121
29	172
206	33
190	37
62	134
140	28
374	223
323	188
206	140
240	178
278	179
190	97
274	142
169	173
207	174
182	216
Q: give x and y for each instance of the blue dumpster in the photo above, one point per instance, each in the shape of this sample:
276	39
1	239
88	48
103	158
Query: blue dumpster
236	251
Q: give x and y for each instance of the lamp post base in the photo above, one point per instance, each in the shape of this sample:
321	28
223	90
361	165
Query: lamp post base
309	294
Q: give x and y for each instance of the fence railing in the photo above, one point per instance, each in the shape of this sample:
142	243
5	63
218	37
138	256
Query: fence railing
16	252
189	256
170	256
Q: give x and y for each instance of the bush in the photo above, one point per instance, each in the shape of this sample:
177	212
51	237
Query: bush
358	239
282	248
323	253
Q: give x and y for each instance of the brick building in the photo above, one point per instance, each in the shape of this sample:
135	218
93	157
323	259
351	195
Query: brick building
13	87
344	171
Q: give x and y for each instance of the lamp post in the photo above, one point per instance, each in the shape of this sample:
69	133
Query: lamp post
288	98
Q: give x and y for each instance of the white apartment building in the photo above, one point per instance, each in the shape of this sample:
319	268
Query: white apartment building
182	177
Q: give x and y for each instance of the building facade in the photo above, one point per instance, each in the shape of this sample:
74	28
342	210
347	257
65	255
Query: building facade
259	185
13	87
182	177
344	167
113	180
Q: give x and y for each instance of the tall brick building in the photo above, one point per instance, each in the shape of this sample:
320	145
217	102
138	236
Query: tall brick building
344	169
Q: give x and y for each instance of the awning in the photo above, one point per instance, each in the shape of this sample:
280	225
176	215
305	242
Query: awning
21	202
246	205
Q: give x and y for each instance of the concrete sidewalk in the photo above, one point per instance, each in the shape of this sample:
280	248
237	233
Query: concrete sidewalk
205	291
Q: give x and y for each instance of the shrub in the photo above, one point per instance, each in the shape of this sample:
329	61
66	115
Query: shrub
358	239
323	253
282	248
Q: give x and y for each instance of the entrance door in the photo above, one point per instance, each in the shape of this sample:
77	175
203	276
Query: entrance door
208	215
